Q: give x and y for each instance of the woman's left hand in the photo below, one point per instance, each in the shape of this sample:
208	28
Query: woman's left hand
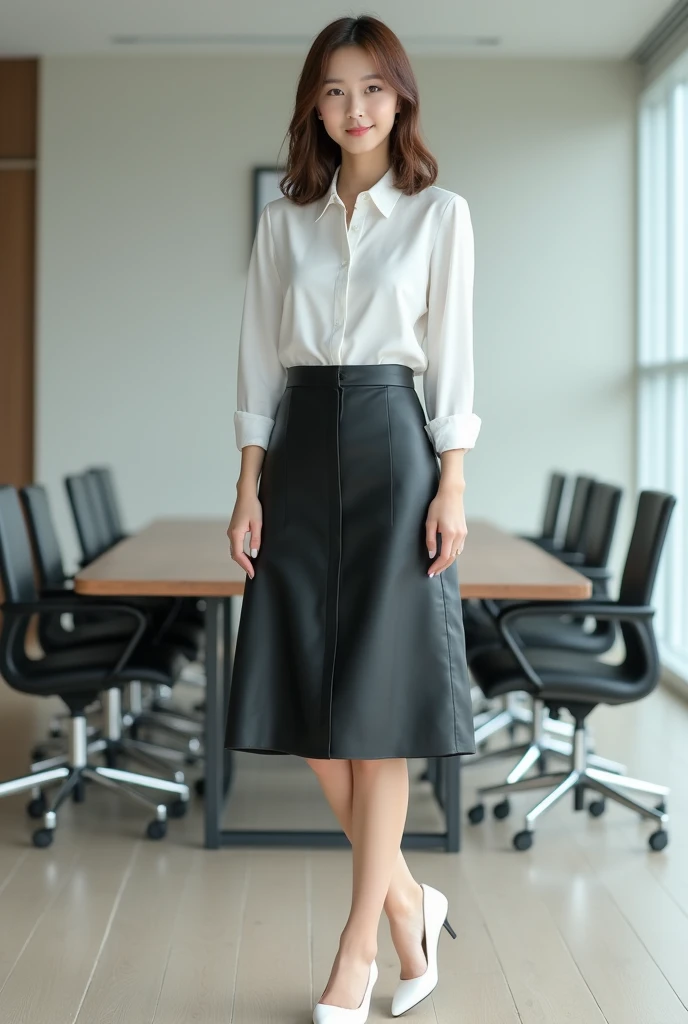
445	516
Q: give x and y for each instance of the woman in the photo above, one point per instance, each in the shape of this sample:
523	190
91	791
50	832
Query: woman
350	647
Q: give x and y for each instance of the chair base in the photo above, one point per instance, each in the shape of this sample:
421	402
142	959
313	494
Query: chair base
582	775
78	769
547	735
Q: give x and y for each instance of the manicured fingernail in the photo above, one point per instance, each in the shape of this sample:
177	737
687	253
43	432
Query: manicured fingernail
254	552
431	554
430	575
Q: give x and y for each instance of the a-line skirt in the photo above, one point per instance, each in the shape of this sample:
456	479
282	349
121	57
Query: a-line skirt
345	647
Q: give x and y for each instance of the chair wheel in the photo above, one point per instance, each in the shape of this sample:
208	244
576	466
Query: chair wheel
523	840
42	837
177	809
502	809
156	829
199	786
476	814
597	807
658	839
36	808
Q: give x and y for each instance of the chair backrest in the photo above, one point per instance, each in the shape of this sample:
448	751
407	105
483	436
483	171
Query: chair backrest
598	535
16	562
46	547
578	513
92	538
99	510
557	483
647	541
105	480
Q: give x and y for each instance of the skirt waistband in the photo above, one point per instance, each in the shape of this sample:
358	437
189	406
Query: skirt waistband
338	375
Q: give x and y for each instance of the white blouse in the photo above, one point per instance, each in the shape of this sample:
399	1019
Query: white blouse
395	287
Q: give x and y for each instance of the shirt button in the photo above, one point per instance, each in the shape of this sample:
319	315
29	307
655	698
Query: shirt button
344	262
354	227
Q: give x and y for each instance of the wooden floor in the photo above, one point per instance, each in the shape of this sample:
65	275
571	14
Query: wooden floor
107	927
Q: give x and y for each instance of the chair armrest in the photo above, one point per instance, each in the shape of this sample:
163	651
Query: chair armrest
598	609
20	609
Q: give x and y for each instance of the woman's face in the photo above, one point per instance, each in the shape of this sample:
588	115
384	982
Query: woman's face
354	94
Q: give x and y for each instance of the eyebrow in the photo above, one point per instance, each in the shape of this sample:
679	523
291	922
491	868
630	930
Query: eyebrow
363	79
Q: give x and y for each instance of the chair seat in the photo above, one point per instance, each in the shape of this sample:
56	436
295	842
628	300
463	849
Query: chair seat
102	631
85	670
566	675
543	631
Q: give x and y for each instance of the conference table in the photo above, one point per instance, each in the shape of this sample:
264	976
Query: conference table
189	557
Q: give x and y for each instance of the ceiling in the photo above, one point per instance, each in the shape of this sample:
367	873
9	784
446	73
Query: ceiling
601	29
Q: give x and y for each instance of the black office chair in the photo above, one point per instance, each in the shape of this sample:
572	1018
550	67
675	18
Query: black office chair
91	524
77	675
105	482
578	682
104	499
570	551
91	539
54	636
567	631
579	511
189	612
550	518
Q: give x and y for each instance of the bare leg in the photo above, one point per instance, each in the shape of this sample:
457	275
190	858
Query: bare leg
378	813
404	900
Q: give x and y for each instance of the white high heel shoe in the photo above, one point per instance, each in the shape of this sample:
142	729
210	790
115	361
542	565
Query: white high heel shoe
411	991
327	1013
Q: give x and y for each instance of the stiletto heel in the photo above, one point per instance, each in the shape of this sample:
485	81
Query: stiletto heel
410	992
328	1013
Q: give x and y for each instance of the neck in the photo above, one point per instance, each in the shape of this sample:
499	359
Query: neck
358	174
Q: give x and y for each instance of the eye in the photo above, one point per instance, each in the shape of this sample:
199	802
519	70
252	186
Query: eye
337	89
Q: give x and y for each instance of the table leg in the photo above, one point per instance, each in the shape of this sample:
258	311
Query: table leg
214	724
228	759
451	771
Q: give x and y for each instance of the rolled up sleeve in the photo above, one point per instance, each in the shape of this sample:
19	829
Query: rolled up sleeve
448	377
260	375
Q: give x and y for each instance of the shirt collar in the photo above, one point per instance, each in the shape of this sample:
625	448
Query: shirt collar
383	193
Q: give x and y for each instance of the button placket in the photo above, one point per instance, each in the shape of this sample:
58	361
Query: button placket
341	289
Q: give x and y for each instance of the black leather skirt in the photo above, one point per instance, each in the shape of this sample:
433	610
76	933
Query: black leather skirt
345	647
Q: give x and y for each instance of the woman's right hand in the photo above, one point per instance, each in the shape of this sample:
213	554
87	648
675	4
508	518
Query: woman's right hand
247	517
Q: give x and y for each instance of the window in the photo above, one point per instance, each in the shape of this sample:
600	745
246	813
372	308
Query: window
662	370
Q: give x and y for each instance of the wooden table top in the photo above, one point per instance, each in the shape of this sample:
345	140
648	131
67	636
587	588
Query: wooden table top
190	557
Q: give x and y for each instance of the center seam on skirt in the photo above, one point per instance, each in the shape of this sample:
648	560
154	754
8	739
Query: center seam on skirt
451	673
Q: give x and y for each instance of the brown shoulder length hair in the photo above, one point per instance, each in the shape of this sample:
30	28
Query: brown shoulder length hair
313	155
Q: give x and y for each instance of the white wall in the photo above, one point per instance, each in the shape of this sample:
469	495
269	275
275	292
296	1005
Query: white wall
145	224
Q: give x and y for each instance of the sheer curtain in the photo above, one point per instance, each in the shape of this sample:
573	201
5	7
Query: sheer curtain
662	359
